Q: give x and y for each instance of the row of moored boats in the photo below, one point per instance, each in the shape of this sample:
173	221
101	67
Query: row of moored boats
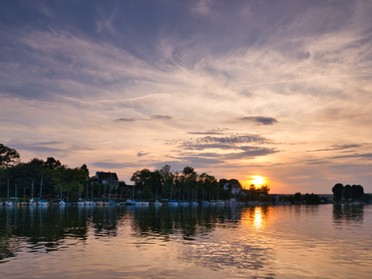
128	202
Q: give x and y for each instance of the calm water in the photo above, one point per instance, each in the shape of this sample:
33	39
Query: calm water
232	242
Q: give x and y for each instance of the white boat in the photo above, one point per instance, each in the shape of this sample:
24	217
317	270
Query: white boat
205	203
213	203
42	203
193	203
32	202
130	202
220	203
80	203
111	203
157	203
62	203
172	203
142	203
9	203
89	203
183	203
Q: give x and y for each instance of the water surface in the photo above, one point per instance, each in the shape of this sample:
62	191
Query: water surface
322	241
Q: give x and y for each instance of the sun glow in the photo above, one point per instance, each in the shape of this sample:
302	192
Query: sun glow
258	181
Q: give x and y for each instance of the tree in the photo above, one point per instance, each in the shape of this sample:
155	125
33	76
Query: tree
337	192
52	163
188	182
346	192
357	192
8	156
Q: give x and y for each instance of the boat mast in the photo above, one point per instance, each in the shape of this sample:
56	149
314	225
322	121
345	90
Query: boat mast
41	187
7	195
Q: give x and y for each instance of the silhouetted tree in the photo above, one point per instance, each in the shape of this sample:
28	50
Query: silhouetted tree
357	192
8	156
346	192
337	192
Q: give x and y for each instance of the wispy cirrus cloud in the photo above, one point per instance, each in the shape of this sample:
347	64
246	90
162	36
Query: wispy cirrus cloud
337	147
261	120
108	165
153	117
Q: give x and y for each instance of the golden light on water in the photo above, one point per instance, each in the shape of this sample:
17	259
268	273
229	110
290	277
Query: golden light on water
257	221
255	217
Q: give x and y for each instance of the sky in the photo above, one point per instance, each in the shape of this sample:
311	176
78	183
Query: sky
280	89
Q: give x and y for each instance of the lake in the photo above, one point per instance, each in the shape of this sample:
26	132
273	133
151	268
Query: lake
296	241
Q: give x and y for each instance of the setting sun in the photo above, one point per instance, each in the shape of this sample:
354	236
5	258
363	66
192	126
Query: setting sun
257	180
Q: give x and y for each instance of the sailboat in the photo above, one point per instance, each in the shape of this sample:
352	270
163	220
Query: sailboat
42	202
32	202
8	202
61	203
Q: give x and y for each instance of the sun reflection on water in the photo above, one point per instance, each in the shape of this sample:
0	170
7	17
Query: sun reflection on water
255	217
258	221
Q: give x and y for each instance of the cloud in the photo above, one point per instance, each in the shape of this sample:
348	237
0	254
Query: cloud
203	7
263	120
224	143
153	117
233	139
210	132
198	161
367	156
47	147
250	152
338	147
161	117
198	146
108	165
122	119
141	153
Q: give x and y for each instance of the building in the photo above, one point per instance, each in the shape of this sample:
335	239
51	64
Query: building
107	178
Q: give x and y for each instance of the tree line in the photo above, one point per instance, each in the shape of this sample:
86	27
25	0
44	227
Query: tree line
189	185
51	179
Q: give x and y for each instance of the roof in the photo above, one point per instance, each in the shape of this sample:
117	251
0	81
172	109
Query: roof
108	176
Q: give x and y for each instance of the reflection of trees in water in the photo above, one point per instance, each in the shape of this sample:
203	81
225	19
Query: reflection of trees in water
43	228
189	221
46	229
105	220
347	213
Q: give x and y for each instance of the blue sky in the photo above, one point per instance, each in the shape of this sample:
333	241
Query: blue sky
280	89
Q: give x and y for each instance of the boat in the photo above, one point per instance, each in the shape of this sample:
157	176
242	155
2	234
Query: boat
32	202
9	203
111	203
80	203
183	203
205	203
130	202
42	203
157	203
172	203
220	203
143	203
62	203
89	203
